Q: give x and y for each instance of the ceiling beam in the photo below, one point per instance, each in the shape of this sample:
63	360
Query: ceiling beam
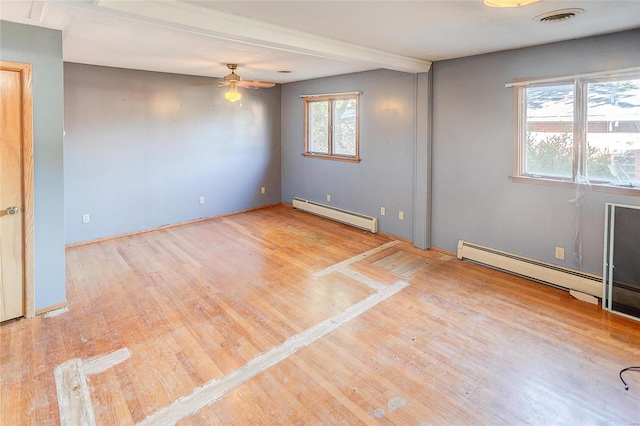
190	18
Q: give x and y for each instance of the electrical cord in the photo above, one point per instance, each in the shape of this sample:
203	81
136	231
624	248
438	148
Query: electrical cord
634	368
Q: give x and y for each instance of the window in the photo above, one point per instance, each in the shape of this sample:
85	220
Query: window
583	128
331	127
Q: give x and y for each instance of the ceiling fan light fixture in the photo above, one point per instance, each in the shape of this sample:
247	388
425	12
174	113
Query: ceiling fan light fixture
508	3
233	95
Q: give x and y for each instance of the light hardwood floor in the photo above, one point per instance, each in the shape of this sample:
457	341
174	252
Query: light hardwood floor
462	344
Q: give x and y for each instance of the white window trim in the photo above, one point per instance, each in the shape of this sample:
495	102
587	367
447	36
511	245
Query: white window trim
580	83
331	97
621	73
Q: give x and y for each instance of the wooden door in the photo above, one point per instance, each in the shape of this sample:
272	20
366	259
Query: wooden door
12	206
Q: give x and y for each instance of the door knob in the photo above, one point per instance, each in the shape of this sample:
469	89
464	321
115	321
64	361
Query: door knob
11	210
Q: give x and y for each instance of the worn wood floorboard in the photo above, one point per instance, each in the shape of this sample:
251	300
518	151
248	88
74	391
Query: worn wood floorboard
462	344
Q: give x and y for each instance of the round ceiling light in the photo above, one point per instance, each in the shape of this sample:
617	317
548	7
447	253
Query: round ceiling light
558	15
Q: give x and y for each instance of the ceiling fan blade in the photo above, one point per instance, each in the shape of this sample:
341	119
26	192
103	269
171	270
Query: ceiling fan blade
254	84
219	83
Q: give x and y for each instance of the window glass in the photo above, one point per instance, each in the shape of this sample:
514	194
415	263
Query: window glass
582	128
549	131
344	127
613	132
319	127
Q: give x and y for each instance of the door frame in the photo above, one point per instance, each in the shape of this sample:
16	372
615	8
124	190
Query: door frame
27	183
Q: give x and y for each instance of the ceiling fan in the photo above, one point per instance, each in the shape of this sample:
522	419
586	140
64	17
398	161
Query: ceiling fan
234	81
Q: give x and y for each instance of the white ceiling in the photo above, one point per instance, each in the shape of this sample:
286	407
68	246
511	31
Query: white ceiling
310	38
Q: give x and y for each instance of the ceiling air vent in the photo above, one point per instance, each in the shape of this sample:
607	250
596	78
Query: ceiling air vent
558	15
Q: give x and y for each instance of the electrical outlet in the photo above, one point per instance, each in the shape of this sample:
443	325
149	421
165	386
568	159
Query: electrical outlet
401	215
85	218
202	199
328	197
383	211
559	253
263	190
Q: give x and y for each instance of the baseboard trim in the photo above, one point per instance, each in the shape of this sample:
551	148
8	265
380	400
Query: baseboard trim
439	250
171	225
395	237
51	308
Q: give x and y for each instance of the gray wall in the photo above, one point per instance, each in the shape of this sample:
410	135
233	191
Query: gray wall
473	142
384	177
142	147
43	49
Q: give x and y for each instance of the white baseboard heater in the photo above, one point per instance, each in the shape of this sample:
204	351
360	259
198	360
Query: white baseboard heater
345	216
536	270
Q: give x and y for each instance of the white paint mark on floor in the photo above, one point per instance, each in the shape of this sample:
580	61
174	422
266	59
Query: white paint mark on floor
369	282
102	363
395	403
216	389
56	312
353	259
73	394
74	398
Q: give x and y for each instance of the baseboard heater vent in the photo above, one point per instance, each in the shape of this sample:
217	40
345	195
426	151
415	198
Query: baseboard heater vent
536	270
350	218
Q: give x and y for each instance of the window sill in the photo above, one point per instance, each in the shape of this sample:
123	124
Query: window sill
331	157
597	187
